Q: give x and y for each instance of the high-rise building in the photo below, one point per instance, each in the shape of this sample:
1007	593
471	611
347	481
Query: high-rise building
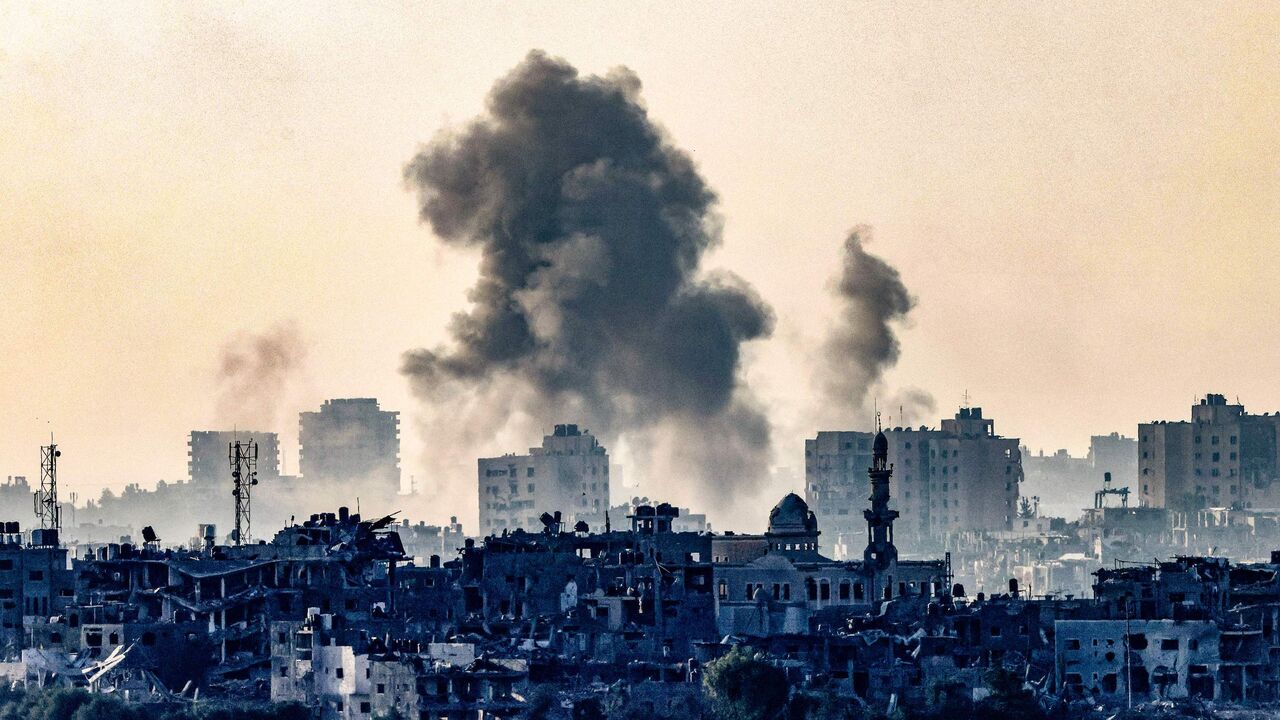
961	476
569	474
207	463
351	440
1223	457
836	487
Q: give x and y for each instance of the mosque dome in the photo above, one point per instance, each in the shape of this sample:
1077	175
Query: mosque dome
791	516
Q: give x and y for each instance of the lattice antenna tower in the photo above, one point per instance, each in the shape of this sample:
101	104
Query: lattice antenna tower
243	458
46	498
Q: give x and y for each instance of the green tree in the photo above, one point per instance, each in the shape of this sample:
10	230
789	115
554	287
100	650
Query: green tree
741	686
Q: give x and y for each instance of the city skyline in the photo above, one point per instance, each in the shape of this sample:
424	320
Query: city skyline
1120	175
838	360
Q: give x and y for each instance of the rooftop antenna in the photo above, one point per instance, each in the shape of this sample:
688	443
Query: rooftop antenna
966	399
243	458
46	498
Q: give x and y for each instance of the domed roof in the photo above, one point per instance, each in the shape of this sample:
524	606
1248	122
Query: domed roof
792	515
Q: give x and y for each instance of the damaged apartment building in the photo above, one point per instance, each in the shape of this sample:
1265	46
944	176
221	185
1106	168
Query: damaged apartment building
959	476
569	473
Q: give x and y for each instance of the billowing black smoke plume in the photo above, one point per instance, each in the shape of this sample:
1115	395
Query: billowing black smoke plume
590	304
863	343
253	375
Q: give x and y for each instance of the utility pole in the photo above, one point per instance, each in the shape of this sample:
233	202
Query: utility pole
1128	665
243	458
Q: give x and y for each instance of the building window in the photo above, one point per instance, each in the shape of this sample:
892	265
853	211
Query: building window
337	672
1170	643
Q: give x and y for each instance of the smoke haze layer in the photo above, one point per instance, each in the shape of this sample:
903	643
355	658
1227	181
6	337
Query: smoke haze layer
253	374
590	303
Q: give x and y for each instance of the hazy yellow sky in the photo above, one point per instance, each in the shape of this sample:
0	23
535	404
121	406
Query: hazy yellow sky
1083	197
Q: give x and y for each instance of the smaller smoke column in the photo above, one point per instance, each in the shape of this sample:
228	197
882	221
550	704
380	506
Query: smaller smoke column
254	371
862	344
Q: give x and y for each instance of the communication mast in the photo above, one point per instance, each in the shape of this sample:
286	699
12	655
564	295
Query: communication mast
243	457
46	498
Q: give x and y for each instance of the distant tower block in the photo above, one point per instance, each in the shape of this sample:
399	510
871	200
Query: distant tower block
243	458
46	498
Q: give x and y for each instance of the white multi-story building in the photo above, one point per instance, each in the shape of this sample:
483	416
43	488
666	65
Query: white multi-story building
569	474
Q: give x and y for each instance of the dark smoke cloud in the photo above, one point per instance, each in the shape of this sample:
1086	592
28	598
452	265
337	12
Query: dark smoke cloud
254	371
862	344
590	304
